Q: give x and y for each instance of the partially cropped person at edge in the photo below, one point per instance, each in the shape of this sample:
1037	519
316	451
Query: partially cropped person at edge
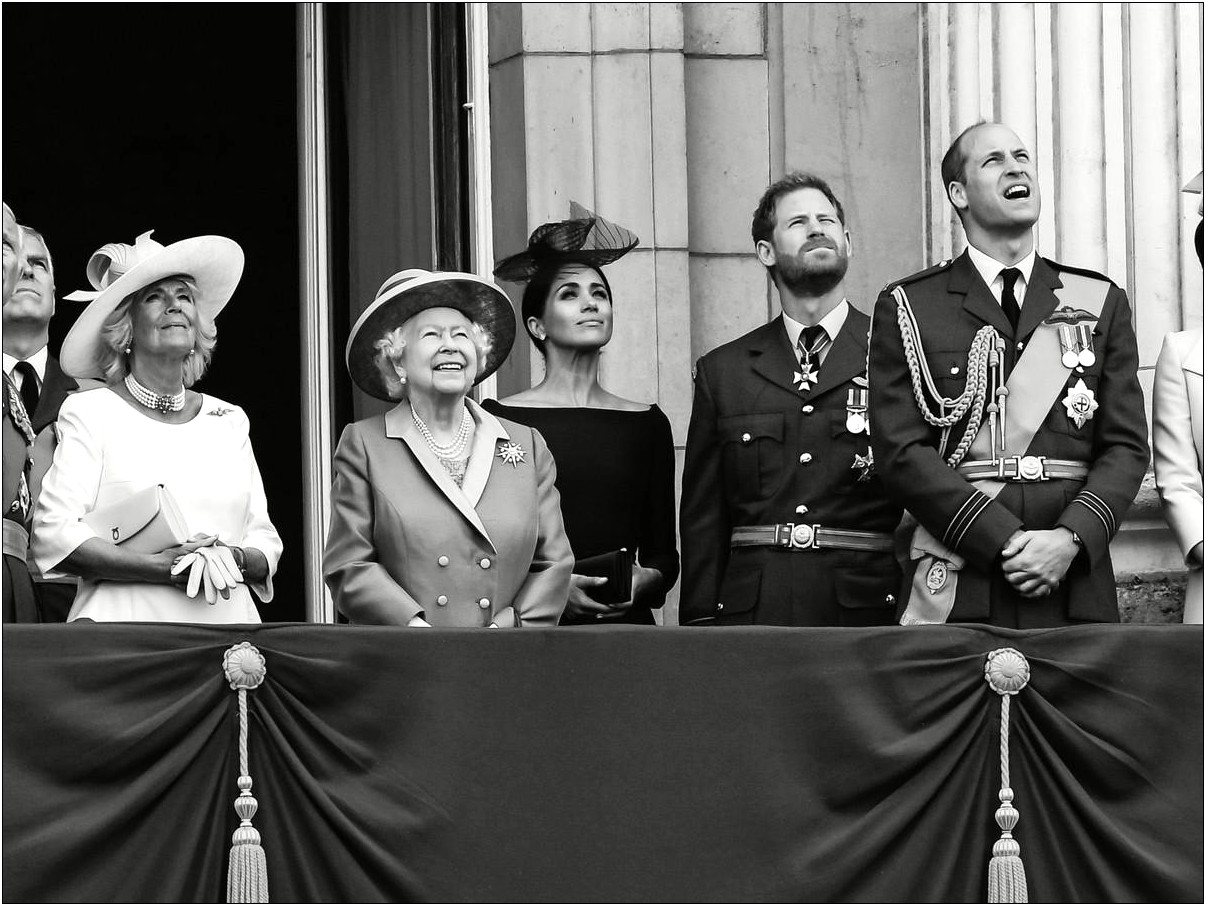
441	514
149	333
1177	440
615	456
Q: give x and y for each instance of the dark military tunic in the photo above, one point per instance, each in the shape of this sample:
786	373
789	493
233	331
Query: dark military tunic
951	303
759	453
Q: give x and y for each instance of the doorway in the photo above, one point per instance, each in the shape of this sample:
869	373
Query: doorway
180	118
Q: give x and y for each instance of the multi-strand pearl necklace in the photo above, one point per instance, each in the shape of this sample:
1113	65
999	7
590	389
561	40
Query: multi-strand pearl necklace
164	402
450	451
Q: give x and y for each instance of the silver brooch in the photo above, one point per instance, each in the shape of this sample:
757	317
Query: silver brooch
511	452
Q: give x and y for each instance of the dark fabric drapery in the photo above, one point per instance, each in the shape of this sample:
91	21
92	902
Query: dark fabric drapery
616	764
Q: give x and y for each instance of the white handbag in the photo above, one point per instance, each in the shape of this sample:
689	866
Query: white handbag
147	521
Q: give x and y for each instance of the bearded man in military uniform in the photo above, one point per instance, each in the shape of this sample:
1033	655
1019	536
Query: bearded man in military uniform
1008	417
784	521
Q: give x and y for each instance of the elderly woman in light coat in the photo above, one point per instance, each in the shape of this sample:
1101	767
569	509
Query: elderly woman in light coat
442	514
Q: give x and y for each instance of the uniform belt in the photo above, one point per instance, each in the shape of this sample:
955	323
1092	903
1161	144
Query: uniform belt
1023	468
16	539
803	537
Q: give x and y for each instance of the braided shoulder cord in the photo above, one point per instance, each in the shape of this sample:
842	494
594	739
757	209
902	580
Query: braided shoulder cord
950	411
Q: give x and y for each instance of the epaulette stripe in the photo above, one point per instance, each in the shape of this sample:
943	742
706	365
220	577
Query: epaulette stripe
1104	511
932	269
1082	271
1097	509
981	506
956	520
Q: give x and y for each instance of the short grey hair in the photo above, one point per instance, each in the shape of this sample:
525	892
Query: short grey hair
118	332
389	356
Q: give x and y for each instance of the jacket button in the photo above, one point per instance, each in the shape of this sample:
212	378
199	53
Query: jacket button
890	599
442	600
485	563
443	561
1021	346
807	410
745	438
719	606
484	603
805	457
801	510
954	369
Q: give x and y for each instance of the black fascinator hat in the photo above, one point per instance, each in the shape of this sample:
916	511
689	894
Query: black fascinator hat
585	238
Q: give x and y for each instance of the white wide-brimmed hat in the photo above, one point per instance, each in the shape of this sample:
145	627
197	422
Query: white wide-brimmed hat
214	263
409	292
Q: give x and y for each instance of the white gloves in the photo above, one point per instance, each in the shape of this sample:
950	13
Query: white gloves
212	568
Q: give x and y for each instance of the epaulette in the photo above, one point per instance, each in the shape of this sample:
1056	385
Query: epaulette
1082	271
913	278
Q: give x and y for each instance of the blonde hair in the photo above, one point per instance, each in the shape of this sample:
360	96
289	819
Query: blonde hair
118	332
389	356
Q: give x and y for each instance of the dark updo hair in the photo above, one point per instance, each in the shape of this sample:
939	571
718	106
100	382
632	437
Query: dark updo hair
536	293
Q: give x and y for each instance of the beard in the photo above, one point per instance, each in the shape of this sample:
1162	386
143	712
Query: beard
807	278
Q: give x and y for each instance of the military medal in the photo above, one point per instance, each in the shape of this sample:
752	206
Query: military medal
1086	358
856	411
511	452
805	377
936	577
1080	403
1067	346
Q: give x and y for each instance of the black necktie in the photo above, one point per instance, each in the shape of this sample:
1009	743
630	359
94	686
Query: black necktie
812	339
29	386
1009	302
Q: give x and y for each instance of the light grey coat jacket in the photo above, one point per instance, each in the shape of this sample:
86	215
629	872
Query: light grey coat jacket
405	540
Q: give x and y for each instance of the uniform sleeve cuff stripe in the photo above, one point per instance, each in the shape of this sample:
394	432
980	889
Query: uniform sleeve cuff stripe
968	514
1098	510
957	519
1107	514
980	508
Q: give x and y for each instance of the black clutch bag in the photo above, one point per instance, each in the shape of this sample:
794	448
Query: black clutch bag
616	568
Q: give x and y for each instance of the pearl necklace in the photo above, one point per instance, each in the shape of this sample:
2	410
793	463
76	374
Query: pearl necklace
164	402
446	451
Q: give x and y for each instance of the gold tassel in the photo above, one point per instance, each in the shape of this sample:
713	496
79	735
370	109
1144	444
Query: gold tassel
1007	671
247	876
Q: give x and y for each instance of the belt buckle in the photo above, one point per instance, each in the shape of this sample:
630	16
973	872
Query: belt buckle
803	537
1022	468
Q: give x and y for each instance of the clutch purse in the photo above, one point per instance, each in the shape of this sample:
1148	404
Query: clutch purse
148	521
616	568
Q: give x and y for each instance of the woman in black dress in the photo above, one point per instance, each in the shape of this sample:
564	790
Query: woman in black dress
615	457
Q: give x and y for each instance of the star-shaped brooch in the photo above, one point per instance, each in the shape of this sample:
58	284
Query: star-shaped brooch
806	378
511	452
1080	403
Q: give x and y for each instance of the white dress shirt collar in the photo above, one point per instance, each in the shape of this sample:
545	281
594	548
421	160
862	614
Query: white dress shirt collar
832	323
38	360
990	269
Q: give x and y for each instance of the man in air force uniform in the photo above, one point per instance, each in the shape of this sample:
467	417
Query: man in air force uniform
1008	417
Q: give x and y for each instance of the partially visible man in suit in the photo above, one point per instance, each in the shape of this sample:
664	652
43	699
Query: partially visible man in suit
19	599
1008	415
784	520
42	384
